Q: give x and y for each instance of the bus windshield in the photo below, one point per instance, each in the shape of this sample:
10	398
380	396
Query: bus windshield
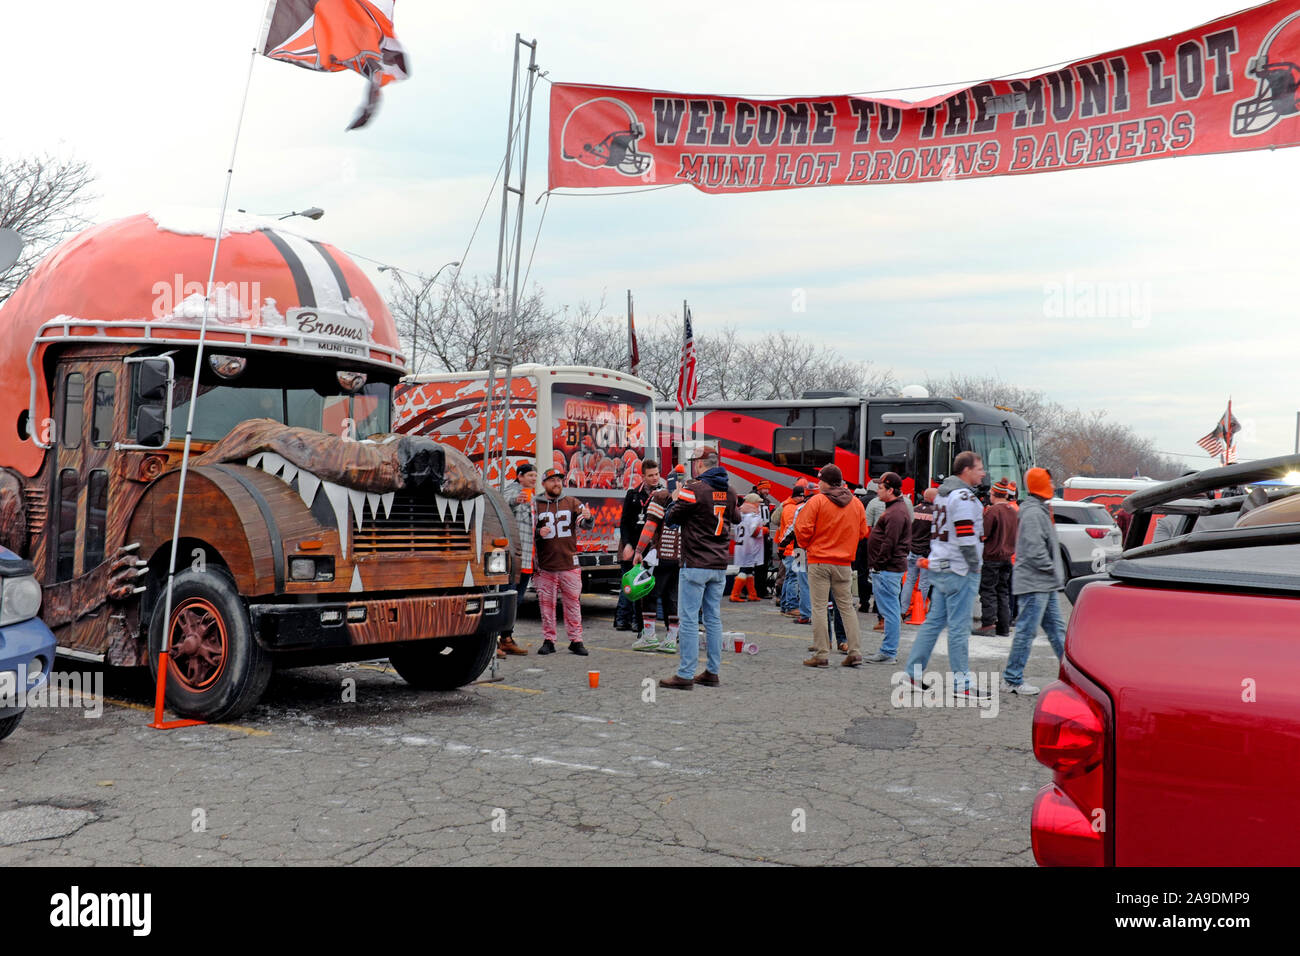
306	398
598	436
998	447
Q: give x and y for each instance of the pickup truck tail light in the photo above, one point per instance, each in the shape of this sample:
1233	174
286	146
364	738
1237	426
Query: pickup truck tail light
1071	815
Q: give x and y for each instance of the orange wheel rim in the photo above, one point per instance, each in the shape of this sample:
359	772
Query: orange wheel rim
198	644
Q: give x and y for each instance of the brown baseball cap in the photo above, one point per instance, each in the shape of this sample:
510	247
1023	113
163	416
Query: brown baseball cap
553	473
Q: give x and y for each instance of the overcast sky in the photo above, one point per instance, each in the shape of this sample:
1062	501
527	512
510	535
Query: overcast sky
924	278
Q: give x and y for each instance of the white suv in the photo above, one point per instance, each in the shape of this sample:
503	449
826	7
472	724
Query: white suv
1090	539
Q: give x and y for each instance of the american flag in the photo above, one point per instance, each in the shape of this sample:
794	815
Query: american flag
688	382
1219	443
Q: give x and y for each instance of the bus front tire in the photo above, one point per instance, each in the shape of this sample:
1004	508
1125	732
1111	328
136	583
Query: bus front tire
216	670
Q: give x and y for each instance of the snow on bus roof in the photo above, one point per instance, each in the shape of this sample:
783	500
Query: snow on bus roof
202	221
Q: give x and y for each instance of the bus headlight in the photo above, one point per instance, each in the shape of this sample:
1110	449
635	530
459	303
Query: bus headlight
20	599
496	562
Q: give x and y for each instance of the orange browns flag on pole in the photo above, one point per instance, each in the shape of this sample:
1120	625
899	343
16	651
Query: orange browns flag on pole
333	35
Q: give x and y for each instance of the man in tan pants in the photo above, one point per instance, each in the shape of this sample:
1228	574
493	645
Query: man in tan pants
829	528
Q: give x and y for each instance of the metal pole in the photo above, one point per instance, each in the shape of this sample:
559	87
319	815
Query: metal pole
497	291
509	340
1297	433
194	401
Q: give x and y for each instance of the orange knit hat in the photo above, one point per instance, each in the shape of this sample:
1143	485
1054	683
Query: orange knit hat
1039	482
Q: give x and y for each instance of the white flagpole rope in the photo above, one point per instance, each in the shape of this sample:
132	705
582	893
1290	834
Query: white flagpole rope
194	391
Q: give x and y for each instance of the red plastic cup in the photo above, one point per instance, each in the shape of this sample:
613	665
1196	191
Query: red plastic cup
740	646
593	678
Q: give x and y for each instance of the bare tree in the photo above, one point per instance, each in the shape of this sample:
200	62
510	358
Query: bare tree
456	333
41	199
1067	441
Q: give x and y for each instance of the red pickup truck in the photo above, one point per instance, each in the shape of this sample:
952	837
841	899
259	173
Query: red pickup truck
1173	732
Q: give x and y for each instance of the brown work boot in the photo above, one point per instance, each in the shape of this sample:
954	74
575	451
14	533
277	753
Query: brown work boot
853	660
677	683
707	678
880	626
816	662
507	645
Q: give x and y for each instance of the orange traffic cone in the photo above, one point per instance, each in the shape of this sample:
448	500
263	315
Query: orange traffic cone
918	605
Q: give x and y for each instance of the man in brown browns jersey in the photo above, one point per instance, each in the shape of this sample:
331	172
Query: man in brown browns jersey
706	509
555	560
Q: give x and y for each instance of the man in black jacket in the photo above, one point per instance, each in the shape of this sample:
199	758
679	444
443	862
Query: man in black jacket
706	509
887	546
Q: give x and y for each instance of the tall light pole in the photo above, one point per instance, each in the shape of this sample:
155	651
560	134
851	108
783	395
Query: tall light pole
416	298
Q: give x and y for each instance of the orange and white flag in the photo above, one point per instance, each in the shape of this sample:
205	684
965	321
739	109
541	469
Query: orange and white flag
333	35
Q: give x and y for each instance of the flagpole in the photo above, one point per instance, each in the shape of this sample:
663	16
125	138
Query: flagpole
194	401
630	366
1228	443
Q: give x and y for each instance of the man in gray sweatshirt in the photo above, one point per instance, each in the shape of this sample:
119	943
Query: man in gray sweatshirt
1038	580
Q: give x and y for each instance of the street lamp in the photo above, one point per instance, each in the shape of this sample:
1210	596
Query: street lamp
312	212
416	297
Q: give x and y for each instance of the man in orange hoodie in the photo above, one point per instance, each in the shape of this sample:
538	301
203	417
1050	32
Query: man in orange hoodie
829	528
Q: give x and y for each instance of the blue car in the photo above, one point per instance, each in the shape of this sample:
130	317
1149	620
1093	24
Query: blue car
26	644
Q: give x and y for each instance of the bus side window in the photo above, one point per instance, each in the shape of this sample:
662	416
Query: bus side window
788	445
101	423
806	447
96	518
74	392
67	511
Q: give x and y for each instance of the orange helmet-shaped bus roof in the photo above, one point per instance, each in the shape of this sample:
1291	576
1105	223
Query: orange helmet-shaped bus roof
143	279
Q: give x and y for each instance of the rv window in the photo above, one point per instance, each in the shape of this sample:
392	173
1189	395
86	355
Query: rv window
74	388
842	423
888	448
96	518
67	504
806	447
101	425
788	445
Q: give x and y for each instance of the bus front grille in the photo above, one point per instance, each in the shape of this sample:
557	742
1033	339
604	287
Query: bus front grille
418	522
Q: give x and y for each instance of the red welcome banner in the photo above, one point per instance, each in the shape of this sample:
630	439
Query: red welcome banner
1230	85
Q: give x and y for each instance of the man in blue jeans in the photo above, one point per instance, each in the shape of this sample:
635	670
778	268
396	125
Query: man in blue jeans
705	509
1038	580
887	547
956	555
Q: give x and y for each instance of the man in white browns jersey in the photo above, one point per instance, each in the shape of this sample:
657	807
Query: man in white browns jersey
956	559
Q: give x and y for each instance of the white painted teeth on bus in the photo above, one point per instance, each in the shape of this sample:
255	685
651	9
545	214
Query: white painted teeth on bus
344	500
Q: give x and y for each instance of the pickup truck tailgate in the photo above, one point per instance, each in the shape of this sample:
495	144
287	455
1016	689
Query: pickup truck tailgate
1206	743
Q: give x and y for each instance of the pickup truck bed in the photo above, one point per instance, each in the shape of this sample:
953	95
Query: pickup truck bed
1196	659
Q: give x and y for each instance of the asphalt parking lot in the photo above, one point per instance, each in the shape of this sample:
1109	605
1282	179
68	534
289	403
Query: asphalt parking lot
782	764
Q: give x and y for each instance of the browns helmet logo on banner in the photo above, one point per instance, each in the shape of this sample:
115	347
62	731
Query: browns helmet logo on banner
602	133
1276	71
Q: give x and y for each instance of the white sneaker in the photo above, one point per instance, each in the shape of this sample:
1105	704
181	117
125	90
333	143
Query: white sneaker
646	642
667	647
1024	690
